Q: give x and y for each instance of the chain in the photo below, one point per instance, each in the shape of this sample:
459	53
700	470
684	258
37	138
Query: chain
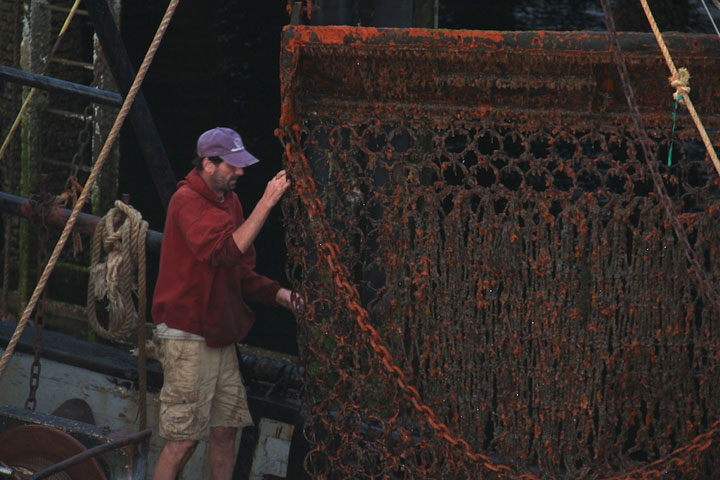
349	294
72	185
496	291
85	135
42	205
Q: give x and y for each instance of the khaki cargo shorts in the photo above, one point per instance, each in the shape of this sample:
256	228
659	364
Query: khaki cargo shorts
202	388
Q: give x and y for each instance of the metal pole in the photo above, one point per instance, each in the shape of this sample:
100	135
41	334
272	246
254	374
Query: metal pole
57	217
93	452
53	84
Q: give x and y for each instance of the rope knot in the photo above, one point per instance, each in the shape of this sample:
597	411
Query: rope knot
680	83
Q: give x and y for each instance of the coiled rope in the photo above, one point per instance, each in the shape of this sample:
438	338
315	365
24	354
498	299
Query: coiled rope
121	234
119	120
679	80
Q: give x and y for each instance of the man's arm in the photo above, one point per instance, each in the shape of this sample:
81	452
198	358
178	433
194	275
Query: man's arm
246	233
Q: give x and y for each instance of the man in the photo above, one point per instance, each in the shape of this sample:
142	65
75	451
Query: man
206	273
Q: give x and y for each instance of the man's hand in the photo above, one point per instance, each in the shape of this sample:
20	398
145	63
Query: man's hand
288	299
246	233
276	188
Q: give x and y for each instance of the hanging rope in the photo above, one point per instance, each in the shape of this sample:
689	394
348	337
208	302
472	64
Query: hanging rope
679	81
72	186
712	20
114	132
121	235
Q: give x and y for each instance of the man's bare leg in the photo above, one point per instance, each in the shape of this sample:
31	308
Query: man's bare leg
172	458
222	452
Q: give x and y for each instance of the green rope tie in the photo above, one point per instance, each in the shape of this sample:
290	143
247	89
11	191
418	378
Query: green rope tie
672	134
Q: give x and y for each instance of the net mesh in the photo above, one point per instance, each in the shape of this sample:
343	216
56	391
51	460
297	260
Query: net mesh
492	293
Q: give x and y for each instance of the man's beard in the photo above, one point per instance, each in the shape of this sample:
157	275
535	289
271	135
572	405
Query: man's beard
230	185
224	185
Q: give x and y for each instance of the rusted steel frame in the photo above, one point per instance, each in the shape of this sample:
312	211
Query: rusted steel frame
130	439
573	44
57	217
550	72
56	85
143	125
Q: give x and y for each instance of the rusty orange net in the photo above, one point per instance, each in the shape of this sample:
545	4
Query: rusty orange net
492	286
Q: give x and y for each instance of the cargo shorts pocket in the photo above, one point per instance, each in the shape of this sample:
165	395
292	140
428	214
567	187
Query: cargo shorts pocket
183	414
182	422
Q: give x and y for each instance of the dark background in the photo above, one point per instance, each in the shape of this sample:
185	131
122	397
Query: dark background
218	65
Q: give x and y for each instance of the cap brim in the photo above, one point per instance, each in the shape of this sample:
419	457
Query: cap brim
240	159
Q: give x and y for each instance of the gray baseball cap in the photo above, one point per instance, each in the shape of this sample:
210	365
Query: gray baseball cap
225	143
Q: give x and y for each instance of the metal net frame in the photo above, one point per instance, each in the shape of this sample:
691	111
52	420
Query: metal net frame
492	286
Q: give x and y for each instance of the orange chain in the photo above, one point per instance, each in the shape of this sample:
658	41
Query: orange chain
323	239
306	186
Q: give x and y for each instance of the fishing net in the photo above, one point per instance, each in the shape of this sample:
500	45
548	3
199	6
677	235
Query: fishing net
492	287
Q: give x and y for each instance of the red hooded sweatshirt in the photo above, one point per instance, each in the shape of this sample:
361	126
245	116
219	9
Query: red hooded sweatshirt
204	278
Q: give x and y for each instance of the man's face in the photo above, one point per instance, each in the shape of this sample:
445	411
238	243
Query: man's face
224	177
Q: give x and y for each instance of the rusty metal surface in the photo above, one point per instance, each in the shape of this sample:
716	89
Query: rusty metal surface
494	285
128	461
36	447
349	72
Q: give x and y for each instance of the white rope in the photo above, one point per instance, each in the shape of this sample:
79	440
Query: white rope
712	20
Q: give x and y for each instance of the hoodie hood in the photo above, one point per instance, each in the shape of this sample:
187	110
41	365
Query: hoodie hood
194	181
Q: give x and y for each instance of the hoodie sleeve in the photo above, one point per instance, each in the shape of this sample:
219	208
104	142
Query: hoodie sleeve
256	287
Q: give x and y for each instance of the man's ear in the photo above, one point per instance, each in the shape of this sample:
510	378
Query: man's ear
206	163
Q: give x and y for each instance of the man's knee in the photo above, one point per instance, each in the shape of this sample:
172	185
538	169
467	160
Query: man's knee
179	449
223	435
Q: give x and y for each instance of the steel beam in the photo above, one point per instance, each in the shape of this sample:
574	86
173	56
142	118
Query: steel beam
55	85
124	73
350	74
57	217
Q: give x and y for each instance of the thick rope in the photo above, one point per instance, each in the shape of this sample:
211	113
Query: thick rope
121	234
679	81
114	132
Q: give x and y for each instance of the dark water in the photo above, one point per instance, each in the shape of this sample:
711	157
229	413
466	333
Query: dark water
218	65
